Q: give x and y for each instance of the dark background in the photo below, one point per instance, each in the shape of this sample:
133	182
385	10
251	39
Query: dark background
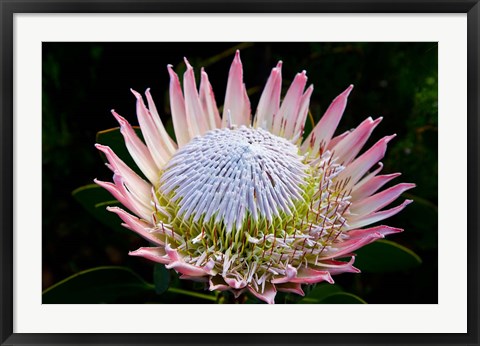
82	82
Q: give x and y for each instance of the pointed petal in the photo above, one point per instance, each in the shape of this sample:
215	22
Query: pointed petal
284	121
312	276
140	227
155	254
268	294
291	287
302	113
269	103
177	106
290	273
341	249
140	206
355	170
335	140
383	230
138	150
128	200
172	253
347	149
110	187
338	267
234	283
170	145
196	120
379	200
236	100
323	132
368	177
152	137
177	263
371	186
132	179
378	216
186	269
207	99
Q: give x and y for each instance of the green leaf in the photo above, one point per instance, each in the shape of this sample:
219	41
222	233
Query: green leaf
95	200
96	285
114	139
385	256
342	298
161	278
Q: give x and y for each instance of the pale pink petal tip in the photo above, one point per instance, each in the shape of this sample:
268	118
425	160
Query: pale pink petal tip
268	294
290	273
189	67
279	64
378	230
389	138
171	72
346	92
291	287
335	267
234	283
121	120
136	94
312	276
155	254
186	269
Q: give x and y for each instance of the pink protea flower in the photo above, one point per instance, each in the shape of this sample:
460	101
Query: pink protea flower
251	206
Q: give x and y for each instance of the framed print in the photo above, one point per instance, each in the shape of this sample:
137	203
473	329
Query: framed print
239	173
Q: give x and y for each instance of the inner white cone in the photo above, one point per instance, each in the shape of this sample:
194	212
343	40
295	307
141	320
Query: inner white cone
227	175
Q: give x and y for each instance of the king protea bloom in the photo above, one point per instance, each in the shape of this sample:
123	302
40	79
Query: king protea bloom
250	205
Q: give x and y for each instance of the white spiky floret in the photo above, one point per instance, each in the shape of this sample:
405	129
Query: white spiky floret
227	173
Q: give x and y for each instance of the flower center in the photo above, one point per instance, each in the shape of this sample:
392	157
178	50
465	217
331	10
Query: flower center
246	201
230	176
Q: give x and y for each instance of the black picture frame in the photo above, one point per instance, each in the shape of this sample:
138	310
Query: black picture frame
10	7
